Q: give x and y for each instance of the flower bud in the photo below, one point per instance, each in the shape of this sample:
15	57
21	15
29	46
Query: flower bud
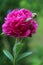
34	15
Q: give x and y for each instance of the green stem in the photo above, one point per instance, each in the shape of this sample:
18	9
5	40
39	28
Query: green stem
14	52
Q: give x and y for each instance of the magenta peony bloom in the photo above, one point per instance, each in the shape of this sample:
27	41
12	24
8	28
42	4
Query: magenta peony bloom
17	24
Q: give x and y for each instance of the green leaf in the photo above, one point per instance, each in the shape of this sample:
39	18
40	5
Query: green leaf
24	55
2	33
18	47
8	54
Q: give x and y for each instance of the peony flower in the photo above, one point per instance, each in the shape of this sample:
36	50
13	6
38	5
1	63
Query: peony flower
19	23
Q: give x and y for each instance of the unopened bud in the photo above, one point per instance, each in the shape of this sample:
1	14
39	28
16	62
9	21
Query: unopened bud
34	15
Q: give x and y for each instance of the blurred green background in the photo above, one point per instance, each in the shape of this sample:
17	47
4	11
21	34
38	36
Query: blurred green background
35	44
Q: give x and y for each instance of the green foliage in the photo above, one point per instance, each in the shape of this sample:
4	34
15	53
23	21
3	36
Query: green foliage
24	55
16	52
18	47
8	55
